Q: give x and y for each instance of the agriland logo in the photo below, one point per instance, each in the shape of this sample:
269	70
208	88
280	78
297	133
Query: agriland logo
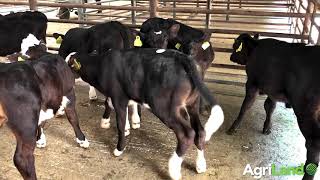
273	170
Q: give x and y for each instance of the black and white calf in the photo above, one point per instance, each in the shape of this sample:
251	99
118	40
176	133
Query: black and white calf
98	39
165	81
57	87
17	26
286	72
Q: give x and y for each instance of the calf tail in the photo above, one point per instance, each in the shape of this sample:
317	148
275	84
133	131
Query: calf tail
216	117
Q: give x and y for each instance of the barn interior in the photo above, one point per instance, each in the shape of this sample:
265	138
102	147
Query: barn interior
149	148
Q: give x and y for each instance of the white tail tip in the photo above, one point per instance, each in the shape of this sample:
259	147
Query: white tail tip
214	122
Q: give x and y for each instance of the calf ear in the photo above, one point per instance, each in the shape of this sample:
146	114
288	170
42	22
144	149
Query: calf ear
173	31
256	36
57	35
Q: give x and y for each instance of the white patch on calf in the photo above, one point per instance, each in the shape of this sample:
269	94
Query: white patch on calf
117	153
92	93
42	142
175	166
159	51
65	101
83	143
201	162
45	115
214	122
105	123
69	56
158	33
28	42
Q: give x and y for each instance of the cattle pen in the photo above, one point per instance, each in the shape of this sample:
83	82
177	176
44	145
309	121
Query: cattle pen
149	148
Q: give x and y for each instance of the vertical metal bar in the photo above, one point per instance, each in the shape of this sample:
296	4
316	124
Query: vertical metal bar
81	13
228	8
133	12
174	12
208	15
153	8
33	5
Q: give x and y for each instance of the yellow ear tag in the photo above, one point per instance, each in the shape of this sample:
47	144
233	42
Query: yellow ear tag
239	48
20	59
177	46
76	65
59	40
137	42
205	45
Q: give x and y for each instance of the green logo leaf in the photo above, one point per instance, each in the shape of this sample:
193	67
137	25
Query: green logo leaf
311	169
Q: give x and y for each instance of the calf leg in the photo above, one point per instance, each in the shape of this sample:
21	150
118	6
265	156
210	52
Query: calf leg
73	119
120	105
199	139
313	153
251	93
41	138
269	107
26	141
105	121
134	114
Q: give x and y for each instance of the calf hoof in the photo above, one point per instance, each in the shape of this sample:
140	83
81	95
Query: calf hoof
127	132
83	143
175	167
266	131
231	131
42	142
60	113
117	153
105	123
135	125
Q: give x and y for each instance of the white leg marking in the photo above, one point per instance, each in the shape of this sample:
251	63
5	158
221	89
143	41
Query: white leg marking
201	162
105	123
92	93
65	101
42	142
214	122
110	103
83	143
117	153
175	166
45	115
127	126
135	118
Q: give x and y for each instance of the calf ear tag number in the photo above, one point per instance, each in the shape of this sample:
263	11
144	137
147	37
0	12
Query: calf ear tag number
137	42
76	65
59	40
177	46
239	48
205	45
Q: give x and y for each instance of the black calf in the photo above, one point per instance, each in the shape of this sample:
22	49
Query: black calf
166	82
286	72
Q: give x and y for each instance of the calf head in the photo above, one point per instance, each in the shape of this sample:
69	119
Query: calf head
159	38
242	48
32	48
